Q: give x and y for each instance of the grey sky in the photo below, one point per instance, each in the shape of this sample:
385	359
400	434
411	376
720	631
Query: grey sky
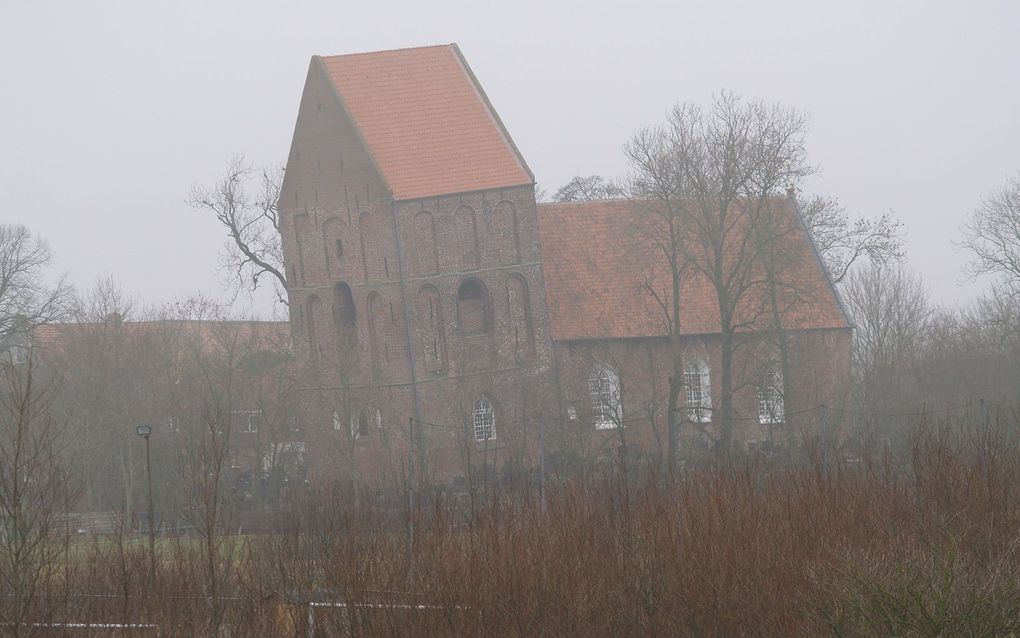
110	111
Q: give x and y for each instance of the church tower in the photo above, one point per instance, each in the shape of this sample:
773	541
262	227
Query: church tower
410	234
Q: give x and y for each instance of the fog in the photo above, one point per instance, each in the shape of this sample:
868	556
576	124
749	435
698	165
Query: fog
112	111
702	407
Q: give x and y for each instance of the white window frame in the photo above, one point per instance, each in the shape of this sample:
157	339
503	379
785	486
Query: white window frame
170	424
483	418
604	390
698	388
771	408
358	424
249	419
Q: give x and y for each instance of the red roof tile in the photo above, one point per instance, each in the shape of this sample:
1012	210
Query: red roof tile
268	335
426	122
597	269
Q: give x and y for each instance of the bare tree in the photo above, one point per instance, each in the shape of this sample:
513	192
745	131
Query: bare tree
212	360
244	202
890	310
972	352
25	298
711	175
991	235
35	492
843	242
775	231
588	188
101	394
662	189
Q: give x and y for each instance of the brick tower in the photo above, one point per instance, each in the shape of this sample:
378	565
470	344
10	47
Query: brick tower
410	234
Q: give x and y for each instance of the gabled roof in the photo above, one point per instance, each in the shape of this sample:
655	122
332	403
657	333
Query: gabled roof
259	335
596	268
426	121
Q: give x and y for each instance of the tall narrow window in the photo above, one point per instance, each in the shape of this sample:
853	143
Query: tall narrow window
484	420
366	237
312	318
345	318
604	386
472	308
333	246
465	238
430	323
506	233
303	235
423	244
770	395
519	311
376	331
699	392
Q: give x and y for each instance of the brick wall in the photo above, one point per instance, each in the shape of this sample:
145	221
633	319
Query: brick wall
820	376
469	270
455	284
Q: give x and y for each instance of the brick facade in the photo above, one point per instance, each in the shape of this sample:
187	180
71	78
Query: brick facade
405	303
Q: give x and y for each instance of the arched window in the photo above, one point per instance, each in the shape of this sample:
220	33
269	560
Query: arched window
423	244
506	233
303	235
519	311
377	331
344	318
484	420
465	238
770	395
472	308
699	392
312	318
333	245
430	323
604	386
366	238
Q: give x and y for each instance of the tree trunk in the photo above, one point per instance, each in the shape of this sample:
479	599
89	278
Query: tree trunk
725	422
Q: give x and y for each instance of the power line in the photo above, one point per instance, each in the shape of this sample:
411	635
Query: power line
924	412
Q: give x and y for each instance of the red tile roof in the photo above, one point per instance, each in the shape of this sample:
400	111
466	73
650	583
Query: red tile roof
596	268
426	122
267	335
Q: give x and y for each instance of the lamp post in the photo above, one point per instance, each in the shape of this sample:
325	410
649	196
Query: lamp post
146	431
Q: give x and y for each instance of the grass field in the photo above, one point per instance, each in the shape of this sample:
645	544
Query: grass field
919	545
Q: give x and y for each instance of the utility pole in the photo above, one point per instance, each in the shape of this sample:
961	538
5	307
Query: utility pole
145	431
410	494
826	434
541	460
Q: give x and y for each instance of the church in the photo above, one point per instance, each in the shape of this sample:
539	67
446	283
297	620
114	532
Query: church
445	321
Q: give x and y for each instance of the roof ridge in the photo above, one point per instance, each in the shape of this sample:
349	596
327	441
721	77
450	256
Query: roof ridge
135	322
583	202
491	110
394	50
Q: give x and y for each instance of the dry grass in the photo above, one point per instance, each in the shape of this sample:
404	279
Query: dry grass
923	545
